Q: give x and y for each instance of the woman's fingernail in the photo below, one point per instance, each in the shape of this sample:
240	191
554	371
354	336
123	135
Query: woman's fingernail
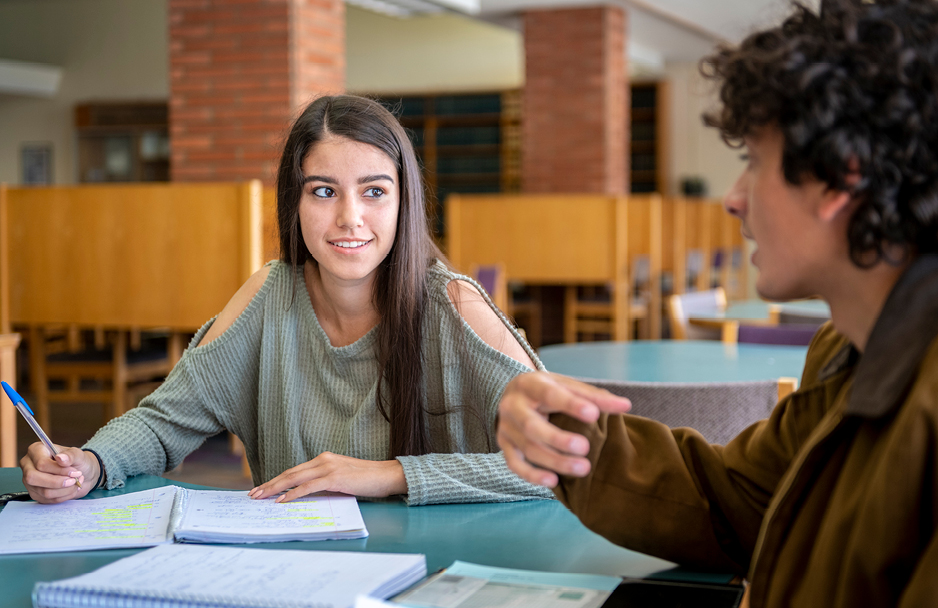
68	482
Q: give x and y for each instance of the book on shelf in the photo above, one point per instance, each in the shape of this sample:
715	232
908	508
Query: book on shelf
171	576
174	514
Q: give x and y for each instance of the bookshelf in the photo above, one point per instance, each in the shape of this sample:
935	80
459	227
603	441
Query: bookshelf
123	142
467	143
648	149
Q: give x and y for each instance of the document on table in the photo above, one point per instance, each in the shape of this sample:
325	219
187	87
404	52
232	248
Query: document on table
465	585
140	519
170	513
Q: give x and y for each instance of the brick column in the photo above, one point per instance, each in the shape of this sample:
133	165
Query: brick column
575	109
239	71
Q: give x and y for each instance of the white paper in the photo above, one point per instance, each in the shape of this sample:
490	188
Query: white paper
138	519
222	515
232	575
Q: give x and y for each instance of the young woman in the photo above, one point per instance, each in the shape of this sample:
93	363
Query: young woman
357	363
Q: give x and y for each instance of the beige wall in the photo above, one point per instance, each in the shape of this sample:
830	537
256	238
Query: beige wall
108	49
697	150
429	54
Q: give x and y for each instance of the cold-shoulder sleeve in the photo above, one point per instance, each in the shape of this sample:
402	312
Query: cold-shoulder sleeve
212	388
465	381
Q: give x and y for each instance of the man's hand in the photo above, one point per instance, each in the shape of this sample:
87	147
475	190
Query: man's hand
334	473
535	449
52	480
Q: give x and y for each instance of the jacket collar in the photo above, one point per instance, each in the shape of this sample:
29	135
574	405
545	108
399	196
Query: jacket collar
897	344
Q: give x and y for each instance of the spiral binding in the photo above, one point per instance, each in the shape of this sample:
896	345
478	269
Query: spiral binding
54	595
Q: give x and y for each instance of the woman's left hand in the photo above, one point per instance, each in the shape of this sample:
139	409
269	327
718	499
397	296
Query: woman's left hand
335	473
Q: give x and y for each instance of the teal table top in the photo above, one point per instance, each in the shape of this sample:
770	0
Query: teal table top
674	361
758	310
535	535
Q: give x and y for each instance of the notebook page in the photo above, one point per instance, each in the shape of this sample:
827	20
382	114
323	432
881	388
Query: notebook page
235	515
245	577
138	519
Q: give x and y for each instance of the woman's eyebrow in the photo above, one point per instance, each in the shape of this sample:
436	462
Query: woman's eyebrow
375	178
320	178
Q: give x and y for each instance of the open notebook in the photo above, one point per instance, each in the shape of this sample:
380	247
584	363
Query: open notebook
180	575
170	513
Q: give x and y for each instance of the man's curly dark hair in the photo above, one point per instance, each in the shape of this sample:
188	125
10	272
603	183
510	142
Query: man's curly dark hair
855	83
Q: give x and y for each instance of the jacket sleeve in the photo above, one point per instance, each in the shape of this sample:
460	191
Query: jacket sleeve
669	493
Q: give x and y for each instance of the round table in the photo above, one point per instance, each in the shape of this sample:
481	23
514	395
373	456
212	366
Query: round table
674	361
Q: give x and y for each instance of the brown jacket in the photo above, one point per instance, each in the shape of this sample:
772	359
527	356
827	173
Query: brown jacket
832	501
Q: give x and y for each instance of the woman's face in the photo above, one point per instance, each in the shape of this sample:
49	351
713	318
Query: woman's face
348	209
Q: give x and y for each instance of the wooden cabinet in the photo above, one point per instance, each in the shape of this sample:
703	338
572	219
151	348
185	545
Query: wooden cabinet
123	142
648	144
467	143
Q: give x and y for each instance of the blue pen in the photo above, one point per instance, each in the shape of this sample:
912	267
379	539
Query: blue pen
20	404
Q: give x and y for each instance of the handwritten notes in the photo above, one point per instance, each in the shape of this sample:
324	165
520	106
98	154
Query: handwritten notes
228	516
140	519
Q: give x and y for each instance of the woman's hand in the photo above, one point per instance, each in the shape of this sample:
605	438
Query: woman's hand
52	480
535	449
335	473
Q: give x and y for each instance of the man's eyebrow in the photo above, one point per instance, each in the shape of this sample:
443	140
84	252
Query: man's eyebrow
375	178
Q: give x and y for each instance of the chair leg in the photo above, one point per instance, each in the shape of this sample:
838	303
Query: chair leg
37	373
569	314
119	378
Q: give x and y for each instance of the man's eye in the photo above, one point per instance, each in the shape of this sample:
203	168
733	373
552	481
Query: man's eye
323	192
374	192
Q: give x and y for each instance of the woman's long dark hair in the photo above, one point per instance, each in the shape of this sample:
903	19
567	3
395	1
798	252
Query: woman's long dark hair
400	289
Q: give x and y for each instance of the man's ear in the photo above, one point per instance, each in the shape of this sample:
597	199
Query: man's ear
836	201
833	204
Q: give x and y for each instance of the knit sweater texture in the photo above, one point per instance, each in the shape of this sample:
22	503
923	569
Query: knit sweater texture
274	379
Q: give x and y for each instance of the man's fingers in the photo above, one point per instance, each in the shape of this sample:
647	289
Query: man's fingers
529	473
603	399
525	426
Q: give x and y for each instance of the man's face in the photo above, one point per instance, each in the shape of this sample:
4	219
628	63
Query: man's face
792	244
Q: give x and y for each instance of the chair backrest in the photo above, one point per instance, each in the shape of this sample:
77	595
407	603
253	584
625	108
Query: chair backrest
493	281
718	411
791	335
681	307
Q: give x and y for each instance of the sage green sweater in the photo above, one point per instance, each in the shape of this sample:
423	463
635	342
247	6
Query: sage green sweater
274	379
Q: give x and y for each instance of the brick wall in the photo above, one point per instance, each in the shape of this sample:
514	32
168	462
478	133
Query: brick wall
575	108
239	70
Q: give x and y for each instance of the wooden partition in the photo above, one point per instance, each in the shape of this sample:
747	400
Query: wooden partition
121	256
9	341
559	239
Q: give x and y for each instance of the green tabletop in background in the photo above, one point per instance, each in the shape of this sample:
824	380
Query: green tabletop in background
674	361
534	535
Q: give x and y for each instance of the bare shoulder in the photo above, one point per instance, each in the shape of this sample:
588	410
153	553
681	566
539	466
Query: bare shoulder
485	322
236	305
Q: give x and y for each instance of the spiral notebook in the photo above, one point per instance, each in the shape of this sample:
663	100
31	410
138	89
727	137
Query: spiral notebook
172	576
173	514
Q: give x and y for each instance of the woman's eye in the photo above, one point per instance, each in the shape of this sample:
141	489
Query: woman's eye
323	192
374	192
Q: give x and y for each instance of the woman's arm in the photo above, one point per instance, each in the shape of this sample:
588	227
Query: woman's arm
211	389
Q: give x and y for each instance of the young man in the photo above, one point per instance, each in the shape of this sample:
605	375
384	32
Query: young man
832	501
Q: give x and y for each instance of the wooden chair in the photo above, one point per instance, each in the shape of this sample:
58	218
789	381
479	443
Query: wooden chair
681	307
99	375
718	411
